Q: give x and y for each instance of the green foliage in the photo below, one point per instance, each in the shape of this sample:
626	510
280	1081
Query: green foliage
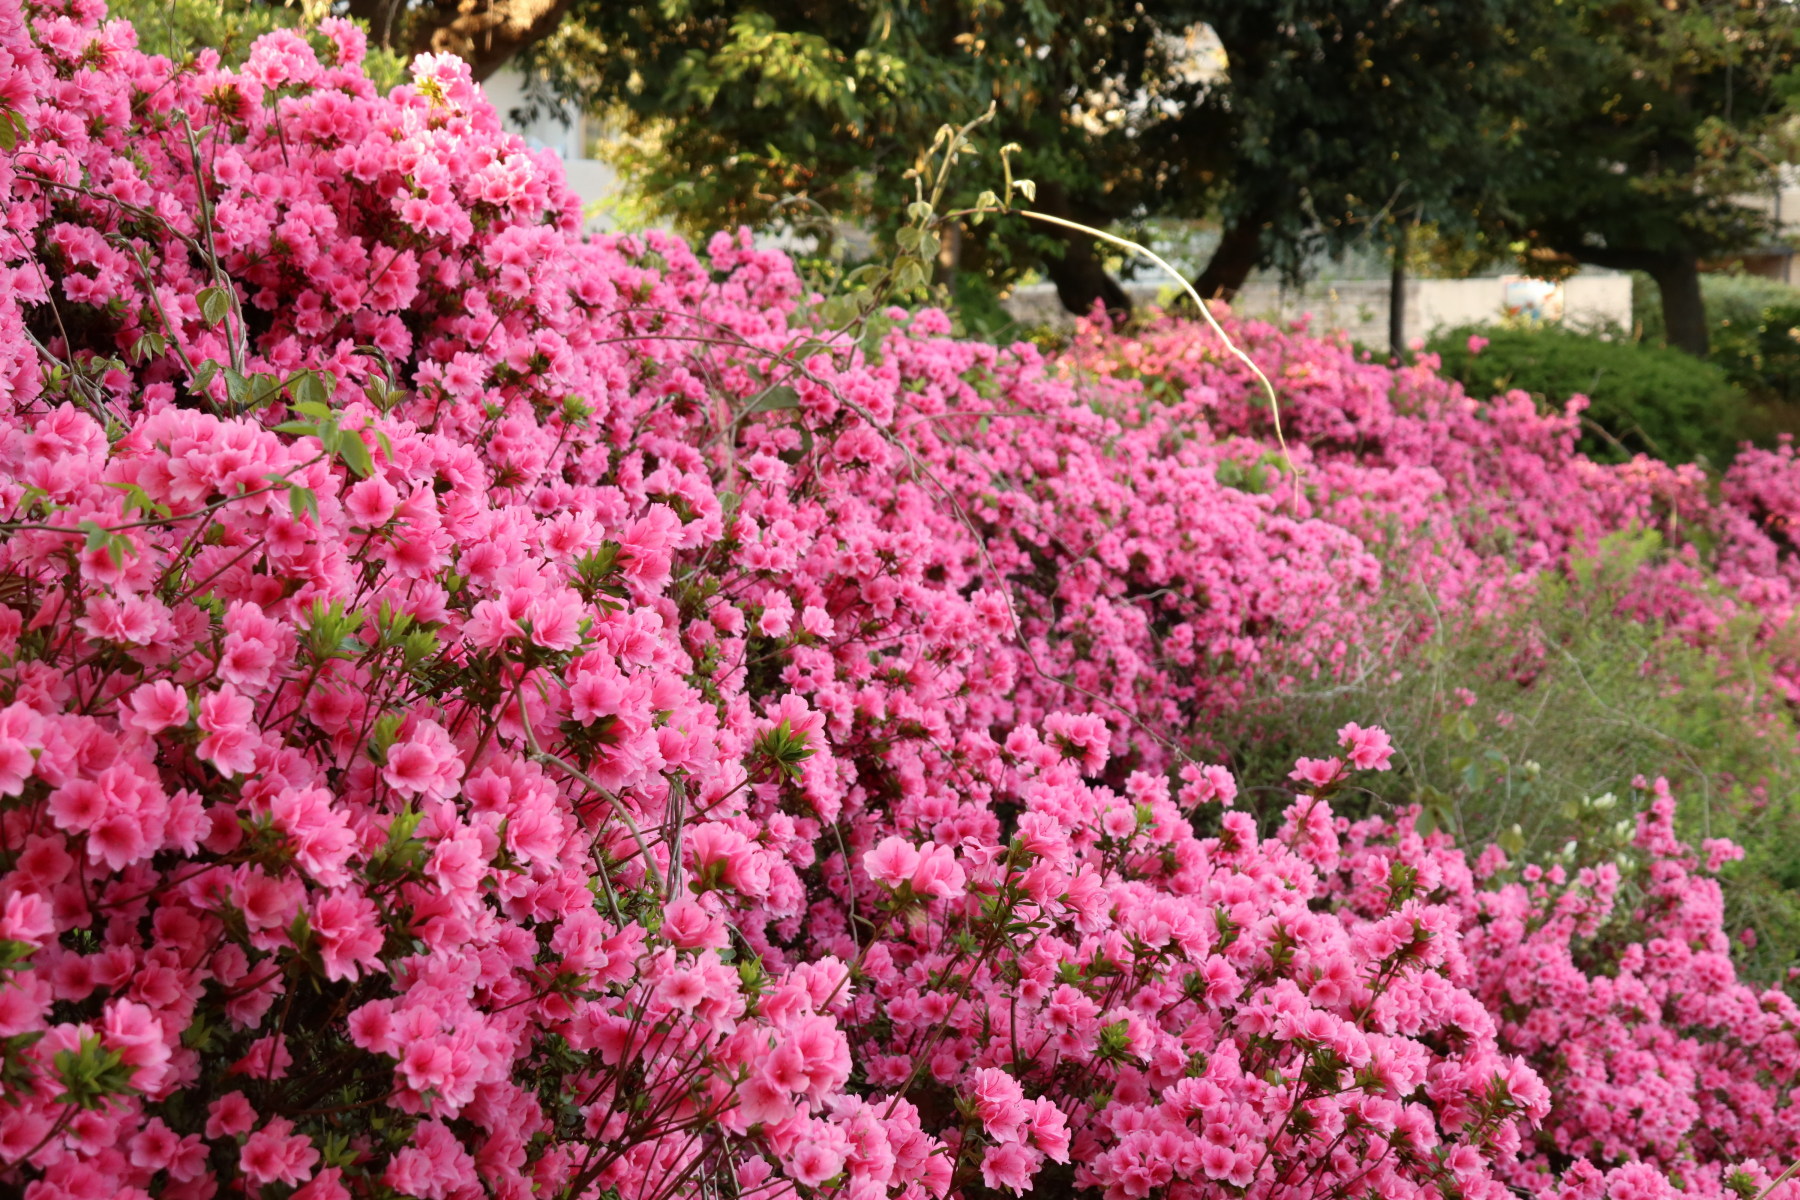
1528	730
1328	112
1766	351
1645	399
755	116
1662	116
90	1074
315	418
177	28
181	28
781	750
1341	124
1752	323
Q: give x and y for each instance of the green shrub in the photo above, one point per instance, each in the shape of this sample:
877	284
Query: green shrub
1500	743
1732	302
1750	331
1761	351
1644	399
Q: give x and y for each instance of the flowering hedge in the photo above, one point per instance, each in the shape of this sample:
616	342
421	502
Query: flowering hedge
487	712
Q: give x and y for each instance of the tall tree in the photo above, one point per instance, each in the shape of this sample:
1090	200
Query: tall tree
1327	114
746	112
1658	120
1337	119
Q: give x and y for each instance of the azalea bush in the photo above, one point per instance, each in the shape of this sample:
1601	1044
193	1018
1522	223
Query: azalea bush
1544	628
488	712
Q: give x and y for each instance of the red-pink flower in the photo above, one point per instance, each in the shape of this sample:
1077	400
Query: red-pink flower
1317	772
1010	1165
892	862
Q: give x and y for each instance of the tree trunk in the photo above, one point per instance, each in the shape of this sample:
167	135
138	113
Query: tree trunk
1683	307
483	33
1237	254
1078	273
384	18
1677	276
1397	296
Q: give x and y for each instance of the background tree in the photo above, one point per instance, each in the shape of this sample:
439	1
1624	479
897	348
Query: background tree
1344	123
484	33
1658	119
745	115
1327	119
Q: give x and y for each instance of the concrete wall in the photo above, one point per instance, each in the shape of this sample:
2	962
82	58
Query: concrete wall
1360	307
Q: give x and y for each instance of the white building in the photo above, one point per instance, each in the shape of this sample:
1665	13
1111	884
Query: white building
1782	203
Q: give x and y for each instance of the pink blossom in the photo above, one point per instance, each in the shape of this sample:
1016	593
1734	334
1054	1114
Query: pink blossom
938	875
611	757
1368	749
275	1153
425	764
156	706
892	862
1317	772
1010	1166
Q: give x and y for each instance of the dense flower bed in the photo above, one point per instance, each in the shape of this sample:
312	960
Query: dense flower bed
484	712
1461	500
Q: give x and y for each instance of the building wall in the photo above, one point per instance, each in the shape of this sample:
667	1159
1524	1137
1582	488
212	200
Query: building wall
1782	203
1360	307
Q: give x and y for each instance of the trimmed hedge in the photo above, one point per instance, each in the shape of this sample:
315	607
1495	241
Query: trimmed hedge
1643	399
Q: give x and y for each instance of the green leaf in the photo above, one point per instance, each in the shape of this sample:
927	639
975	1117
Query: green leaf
138	500
148	346
1513	841
238	388
91	1073
381	739
308	389
302	501
378	393
215	305
355	453
774	400
116	545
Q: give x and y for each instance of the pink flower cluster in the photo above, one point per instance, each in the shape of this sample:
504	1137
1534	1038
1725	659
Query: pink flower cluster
490	713
1617	985
1426	491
